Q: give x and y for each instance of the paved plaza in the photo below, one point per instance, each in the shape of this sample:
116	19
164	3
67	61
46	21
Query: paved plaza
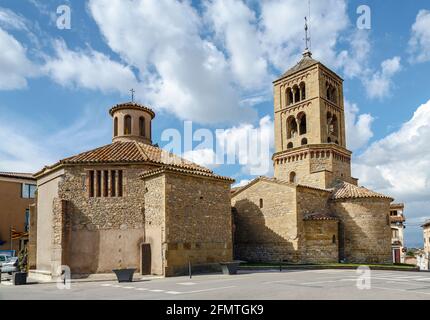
297	284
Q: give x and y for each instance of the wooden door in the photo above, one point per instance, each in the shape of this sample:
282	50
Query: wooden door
146	258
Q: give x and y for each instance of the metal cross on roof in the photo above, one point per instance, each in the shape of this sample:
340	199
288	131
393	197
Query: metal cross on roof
132	94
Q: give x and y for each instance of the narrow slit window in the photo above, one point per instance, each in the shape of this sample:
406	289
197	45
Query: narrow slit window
91	183
120	186
113	183
105	183
98	183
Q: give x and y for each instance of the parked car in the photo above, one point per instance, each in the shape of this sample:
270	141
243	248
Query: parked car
8	264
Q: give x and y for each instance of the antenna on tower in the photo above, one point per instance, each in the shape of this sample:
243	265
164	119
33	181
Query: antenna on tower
309	17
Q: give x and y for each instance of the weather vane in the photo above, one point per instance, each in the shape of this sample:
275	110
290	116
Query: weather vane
132	94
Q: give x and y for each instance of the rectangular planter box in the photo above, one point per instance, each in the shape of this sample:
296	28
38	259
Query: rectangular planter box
19	278
124	275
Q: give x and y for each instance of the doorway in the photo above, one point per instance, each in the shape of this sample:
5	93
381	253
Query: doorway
145	258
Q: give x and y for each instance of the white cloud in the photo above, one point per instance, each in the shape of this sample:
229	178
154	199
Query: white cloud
27	147
379	85
241	183
358	126
10	20
91	69
205	157
399	164
14	65
419	44
250	146
354	61
182	72
235	25
282	24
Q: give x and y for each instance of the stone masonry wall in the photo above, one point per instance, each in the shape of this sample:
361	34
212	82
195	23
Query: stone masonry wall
365	233
321	238
198	222
267	233
106	232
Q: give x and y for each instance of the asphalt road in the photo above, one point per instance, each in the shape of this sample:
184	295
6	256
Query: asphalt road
298	284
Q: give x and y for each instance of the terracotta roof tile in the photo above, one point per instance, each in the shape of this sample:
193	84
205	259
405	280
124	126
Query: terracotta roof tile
19	175
131	105
345	190
165	169
129	152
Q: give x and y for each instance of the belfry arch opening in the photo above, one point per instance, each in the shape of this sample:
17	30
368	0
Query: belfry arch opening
301	117
291	127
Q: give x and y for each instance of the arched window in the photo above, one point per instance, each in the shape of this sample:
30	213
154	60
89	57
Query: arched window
296	93
329	140
292	177
331	93
303	90
142	126
332	124
115	127
261	203
290	145
291	127
304	141
302	123
289	95
337	142
127	124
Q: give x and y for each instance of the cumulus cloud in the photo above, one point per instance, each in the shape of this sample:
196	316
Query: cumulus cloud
282	25
398	165
235	25
182	72
379	85
14	64
250	146
90	69
358	126
419	44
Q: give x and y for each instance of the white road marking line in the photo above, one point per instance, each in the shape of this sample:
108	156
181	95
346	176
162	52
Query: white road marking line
106	285
187	283
128	287
212	289
403	290
141	289
116	286
173	292
318	282
156	290
279	281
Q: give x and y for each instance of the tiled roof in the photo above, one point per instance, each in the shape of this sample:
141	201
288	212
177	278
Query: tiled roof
397	205
19	175
319	216
129	152
165	169
131	105
304	63
397	219
345	190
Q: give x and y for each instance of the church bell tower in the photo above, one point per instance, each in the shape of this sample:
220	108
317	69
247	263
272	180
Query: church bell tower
309	118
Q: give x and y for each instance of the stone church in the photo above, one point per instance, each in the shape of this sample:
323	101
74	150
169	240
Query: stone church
312	210
129	204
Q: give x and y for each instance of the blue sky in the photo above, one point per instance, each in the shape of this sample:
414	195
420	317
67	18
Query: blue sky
212	63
